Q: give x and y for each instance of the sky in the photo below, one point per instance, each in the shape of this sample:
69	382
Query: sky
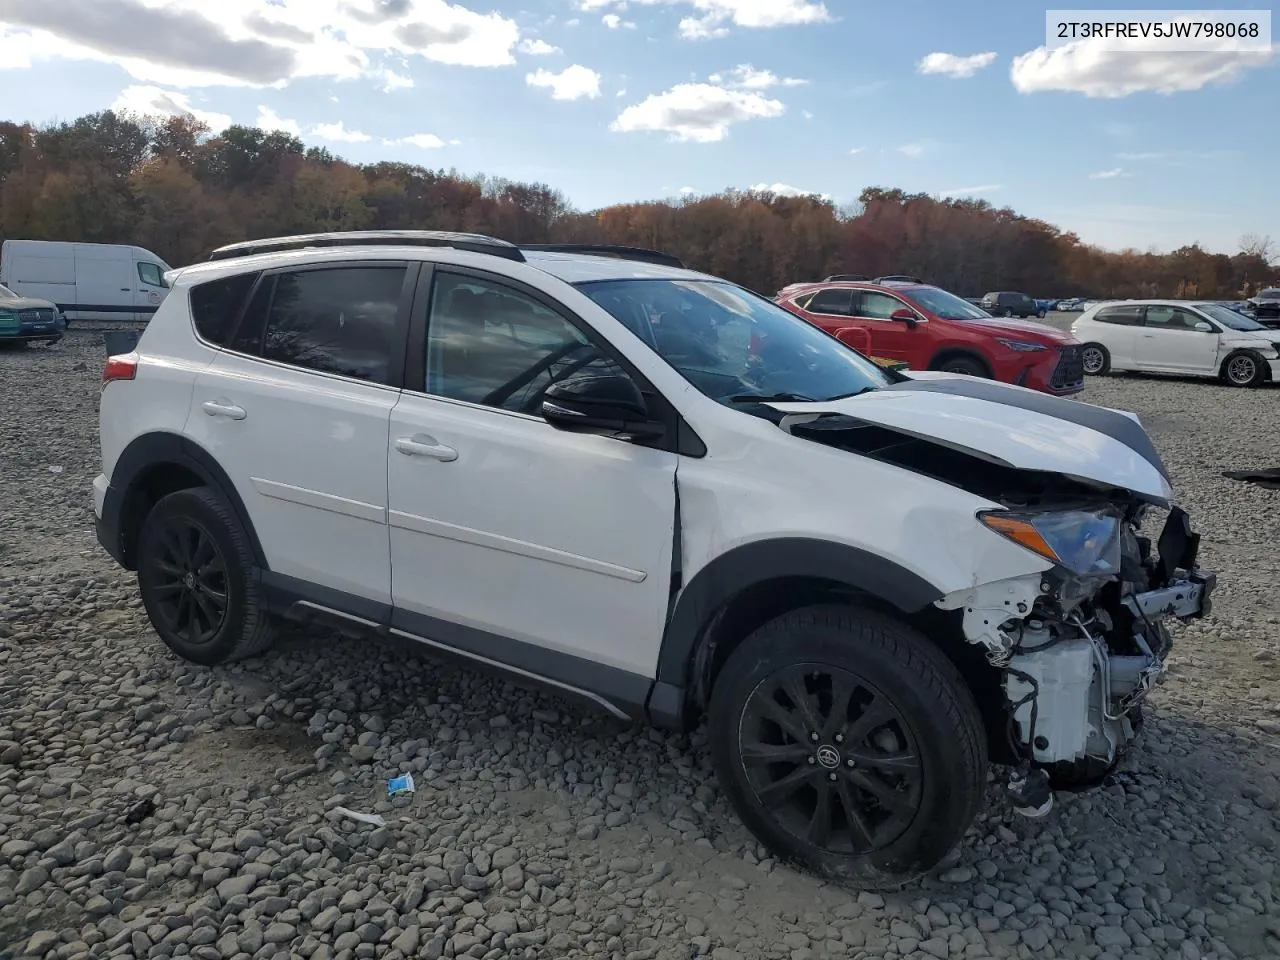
612	101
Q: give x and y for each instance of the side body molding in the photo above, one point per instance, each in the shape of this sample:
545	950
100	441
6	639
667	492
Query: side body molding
754	564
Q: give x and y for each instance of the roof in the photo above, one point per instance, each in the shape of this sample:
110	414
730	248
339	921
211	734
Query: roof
586	267
571	267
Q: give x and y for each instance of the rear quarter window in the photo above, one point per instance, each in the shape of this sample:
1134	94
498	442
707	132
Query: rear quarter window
215	305
1120	316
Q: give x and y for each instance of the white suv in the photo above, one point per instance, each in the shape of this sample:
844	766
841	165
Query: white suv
662	493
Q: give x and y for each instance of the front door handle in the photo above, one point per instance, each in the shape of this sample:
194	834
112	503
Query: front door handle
421	445
223	408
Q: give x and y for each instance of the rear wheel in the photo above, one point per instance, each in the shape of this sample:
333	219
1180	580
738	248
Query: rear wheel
1243	369
195	576
1096	358
849	745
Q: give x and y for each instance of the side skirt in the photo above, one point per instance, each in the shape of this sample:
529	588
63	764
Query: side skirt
620	693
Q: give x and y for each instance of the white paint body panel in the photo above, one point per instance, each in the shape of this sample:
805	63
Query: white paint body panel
309	461
557	539
1019	438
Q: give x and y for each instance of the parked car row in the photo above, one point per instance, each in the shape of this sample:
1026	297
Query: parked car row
658	492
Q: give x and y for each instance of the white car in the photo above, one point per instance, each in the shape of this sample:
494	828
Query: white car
1191	338
665	495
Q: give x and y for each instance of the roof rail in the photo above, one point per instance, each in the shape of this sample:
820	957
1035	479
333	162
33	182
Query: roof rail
475	242
898	278
610	250
846	277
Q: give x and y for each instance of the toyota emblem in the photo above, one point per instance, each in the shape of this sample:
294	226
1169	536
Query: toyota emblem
828	756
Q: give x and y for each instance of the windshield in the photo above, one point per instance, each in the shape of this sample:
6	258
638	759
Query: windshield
1273	294
1228	317
946	305
733	346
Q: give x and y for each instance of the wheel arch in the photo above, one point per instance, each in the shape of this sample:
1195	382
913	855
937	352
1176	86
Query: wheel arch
750	585
1264	368
956	352
154	465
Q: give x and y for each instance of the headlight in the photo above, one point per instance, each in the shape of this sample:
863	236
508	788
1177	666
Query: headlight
1022	346
1086	542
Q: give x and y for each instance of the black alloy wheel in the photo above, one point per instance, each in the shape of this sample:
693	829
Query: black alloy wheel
832	757
187	579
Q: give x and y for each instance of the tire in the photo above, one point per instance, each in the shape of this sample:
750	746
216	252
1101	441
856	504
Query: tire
1006	312
1040	314
1244	368
932	719
966	365
1097	356
189	529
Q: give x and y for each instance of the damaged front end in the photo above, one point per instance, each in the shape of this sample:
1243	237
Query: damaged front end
1080	645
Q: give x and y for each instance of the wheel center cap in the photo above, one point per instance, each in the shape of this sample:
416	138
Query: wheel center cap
189	580
828	756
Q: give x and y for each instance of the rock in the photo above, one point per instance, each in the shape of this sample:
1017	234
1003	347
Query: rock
41	943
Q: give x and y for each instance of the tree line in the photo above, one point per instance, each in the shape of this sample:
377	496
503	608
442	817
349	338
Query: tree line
172	185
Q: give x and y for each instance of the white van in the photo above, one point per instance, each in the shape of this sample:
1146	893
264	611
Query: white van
88	281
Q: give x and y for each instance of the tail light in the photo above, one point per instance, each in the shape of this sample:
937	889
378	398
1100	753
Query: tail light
123	366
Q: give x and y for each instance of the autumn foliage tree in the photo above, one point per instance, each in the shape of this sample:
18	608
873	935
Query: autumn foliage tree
172	185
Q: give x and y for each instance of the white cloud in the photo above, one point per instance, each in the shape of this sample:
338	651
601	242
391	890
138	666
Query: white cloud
572	83
857	150
807	114
1108	174
392	81
338	133
687	191
696	112
917	148
786	190
950	65
425	141
1098	70
746	77
613	22
713	18
152	101
972	191
537	48
269	120
186	43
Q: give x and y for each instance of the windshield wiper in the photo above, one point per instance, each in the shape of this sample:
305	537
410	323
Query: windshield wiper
856	393
771	398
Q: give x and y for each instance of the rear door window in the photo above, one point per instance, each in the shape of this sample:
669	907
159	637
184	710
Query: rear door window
336	320
216	304
838	303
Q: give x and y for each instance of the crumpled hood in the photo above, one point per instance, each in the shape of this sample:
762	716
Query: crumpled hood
1011	426
25	303
1270	336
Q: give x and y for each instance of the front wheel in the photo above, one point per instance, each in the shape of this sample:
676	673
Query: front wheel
965	365
1243	369
849	745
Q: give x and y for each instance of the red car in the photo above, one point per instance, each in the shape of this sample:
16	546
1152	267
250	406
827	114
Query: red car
905	319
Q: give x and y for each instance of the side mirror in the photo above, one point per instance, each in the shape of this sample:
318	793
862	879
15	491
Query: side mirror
903	315
600	404
1204	327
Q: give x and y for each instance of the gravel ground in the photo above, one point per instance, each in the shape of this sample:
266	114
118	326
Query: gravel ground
538	830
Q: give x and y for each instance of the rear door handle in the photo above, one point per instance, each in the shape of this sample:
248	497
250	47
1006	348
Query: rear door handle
223	408
421	445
